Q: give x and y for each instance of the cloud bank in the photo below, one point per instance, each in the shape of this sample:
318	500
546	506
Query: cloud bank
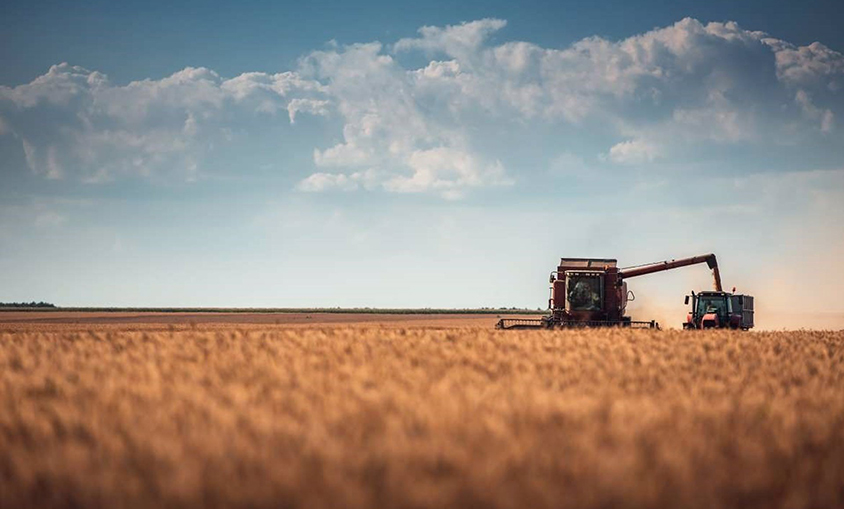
73	122
420	129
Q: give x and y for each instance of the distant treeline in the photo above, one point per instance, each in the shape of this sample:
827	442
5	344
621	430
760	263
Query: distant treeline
26	305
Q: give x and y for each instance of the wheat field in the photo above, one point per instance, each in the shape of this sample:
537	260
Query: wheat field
360	417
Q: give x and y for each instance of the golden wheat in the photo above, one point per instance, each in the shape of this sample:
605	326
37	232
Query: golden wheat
367	417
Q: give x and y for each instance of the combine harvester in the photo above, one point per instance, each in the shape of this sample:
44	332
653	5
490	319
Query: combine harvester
592	292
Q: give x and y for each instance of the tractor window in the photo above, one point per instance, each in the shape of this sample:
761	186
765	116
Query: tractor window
717	305
584	293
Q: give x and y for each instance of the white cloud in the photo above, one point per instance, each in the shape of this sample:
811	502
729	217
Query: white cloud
810	65
74	122
632	152
447	171
268	93
683	83
422	129
319	182
463	39
312	106
389	129
825	117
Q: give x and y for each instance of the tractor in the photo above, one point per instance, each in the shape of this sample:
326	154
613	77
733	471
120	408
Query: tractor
719	310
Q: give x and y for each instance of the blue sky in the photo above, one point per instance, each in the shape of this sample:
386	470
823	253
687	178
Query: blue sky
259	154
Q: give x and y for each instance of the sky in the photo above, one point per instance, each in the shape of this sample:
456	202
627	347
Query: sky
260	154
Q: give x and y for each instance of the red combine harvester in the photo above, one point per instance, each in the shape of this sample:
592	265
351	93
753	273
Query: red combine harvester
592	292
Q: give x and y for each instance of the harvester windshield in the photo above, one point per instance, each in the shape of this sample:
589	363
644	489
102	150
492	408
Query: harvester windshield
584	291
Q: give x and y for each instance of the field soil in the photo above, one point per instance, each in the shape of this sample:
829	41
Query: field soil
413	411
33	320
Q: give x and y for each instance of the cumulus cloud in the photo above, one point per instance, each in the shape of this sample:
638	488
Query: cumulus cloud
464	39
448	171
632	152
319	182
423	129
72	121
824	117
814	65
685	83
312	106
390	128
